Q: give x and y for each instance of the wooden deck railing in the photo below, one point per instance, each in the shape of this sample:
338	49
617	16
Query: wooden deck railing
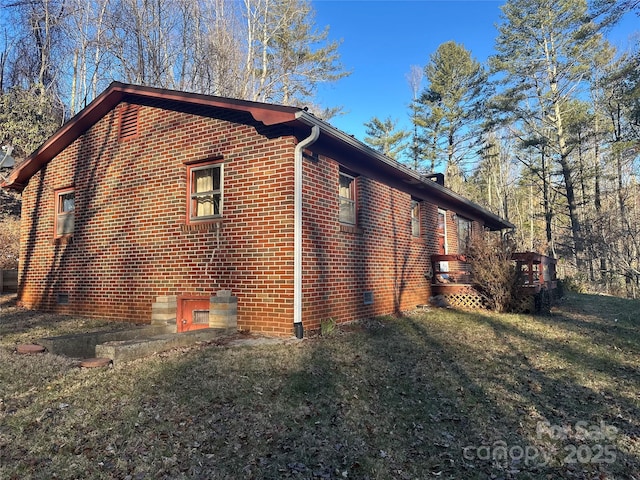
448	269
538	271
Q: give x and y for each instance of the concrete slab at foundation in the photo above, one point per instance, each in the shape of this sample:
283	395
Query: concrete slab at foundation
127	350
83	345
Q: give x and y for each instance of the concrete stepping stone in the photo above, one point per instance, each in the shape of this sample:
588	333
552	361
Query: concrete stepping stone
29	348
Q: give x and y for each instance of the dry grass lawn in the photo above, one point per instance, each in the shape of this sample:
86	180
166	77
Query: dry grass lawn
431	394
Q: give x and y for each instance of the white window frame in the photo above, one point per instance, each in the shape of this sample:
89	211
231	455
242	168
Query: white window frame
415	218
348	200
444	229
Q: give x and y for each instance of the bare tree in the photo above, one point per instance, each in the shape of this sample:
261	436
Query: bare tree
417	154
38	26
86	34
286	57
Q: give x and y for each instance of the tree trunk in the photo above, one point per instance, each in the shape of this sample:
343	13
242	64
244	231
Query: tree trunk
548	207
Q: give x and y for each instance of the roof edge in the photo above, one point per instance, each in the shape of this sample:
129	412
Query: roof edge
494	221
268	114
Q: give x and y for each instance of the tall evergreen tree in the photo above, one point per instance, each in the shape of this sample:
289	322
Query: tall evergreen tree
456	87
302	56
27	119
544	48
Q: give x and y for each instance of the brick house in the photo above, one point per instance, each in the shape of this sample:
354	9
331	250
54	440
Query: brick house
152	197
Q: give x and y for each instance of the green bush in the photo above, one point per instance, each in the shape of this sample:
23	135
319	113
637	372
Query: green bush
327	327
575	284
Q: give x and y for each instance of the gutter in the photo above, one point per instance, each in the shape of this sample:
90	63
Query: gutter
297	231
416	179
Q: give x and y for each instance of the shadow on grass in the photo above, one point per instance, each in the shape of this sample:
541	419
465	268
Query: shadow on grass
616	318
439	394
21	325
19	322
446	394
568	382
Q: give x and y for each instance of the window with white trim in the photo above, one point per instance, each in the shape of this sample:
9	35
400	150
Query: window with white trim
441	232
415	218
65	212
205	191
347	193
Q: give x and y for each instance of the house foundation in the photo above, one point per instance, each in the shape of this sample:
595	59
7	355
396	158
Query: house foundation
223	310
164	310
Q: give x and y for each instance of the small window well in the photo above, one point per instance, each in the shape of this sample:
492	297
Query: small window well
62	299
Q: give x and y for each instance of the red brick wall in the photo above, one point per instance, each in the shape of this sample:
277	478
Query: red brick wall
380	255
132	242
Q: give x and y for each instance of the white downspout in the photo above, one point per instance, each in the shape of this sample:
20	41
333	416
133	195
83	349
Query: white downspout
297	231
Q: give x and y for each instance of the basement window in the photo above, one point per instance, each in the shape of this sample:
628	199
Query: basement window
367	298
62	299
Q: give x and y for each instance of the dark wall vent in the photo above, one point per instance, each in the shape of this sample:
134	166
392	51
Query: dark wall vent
368	298
129	122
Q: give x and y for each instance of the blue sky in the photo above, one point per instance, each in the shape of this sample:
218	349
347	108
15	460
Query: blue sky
381	39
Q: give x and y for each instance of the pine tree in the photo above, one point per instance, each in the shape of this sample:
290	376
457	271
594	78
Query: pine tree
544	48
383	136
452	106
287	57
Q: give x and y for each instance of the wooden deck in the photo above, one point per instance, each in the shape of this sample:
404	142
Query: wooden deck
538	271
452	279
